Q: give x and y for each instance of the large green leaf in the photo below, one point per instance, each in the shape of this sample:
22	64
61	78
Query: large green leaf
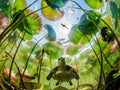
35	22
25	51
88	27
31	25
51	33
115	13
22	26
114	9
53	50
75	35
95	4
84	40
89	23
20	4
51	13
72	49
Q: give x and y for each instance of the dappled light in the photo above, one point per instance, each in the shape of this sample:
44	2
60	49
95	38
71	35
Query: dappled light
59	45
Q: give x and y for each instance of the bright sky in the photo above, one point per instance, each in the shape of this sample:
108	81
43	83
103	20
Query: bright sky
70	18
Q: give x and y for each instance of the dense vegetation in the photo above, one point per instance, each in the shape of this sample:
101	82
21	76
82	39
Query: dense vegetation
92	48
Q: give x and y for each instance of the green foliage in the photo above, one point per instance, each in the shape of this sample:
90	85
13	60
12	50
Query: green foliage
92	48
34	24
56	3
20	5
75	35
51	13
91	21
53	50
72	50
115	12
114	9
51	33
97	4
4	4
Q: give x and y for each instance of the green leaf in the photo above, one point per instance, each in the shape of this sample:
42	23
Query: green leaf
117	2
72	49
88	23
51	33
17	17
56	3
53	49
95	4
51	13
93	15
108	21
20	4
115	13
114	9
35	22
88	27
4	5
84	40
23	54
28	36
75	35
31	25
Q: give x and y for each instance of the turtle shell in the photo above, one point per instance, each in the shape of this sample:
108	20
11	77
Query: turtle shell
67	75
63	76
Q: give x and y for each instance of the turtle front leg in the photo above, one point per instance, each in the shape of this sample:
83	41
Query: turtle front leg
51	73
74	73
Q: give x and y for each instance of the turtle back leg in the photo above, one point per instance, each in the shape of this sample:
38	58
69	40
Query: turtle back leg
70	82
51	73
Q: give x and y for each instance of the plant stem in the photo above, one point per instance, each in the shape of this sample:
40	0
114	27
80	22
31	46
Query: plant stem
13	59
31	54
21	80
40	65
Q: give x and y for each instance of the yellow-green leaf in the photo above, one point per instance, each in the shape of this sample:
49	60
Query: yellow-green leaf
75	34
51	13
95	4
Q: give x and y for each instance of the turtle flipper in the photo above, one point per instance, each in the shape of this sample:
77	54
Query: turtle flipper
72	71
51	73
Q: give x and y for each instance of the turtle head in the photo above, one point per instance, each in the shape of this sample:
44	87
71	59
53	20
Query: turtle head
61	64
61	61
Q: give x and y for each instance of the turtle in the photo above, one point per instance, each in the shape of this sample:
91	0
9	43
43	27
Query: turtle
63	72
